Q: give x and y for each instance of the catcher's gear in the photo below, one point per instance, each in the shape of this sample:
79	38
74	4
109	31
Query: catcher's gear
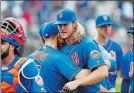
13	31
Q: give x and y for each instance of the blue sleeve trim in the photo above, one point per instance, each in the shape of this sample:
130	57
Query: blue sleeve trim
97	66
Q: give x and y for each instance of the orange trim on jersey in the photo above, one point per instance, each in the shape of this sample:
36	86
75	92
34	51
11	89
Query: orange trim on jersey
111	43
16	67
14	71
19	63
5	87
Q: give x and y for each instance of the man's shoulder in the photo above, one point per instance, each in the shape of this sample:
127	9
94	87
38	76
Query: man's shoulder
114	42
86	40
29	68
128	53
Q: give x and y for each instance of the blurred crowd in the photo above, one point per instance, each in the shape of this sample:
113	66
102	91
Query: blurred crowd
32	14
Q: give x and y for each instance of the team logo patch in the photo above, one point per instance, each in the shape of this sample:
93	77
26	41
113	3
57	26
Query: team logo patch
113	55
39	80
105	18
60	15
95	54
39	55
75	58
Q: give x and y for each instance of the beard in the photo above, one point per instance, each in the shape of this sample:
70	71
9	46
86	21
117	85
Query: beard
5	54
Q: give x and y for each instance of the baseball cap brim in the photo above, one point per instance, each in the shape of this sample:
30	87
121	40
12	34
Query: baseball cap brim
62	22
130	31
106	23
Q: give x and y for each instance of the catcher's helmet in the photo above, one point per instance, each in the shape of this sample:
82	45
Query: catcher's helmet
13	31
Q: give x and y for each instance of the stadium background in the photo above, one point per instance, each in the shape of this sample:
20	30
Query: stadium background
32	14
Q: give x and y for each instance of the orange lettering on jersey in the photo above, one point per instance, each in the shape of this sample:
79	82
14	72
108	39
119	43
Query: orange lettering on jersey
75	58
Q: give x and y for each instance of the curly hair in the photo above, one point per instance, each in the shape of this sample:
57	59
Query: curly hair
79	32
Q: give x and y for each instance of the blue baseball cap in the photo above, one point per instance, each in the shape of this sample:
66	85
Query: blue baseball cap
131	29
48	29
101	20
65	16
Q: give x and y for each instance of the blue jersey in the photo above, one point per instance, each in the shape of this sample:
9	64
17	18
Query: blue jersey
115	51
127	67
126	62
132	83
56	68
106	56
85	54
19	76
132	75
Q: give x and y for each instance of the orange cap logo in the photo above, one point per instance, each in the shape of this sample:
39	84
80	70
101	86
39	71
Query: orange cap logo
105	18
61	15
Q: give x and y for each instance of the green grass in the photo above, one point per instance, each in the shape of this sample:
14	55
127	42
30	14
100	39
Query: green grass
118	83
118	87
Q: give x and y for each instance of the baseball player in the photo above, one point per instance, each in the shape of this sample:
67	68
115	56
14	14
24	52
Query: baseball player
56	67
103	27
17	74
83	52
127	69
111	64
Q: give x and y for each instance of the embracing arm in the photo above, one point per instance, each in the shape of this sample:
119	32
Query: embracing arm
96	76
86	72
82	73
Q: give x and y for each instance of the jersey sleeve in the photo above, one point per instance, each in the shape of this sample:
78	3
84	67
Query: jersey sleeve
94	57
32	85
67	68
105	55
30	78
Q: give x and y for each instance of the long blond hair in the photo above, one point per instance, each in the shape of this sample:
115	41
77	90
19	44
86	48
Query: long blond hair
79	32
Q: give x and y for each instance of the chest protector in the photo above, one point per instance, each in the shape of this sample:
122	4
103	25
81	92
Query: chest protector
12	76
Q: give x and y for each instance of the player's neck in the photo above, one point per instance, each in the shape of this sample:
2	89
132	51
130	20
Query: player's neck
51	43
101	40
69	41
8	60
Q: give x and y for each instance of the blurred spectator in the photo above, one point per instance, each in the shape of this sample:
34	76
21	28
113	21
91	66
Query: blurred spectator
34	13
127	8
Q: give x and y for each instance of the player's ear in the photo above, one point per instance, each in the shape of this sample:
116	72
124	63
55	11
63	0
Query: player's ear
43	41
96	27
74	24
11	47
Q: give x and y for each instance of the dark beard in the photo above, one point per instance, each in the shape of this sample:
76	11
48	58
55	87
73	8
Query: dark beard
5	54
